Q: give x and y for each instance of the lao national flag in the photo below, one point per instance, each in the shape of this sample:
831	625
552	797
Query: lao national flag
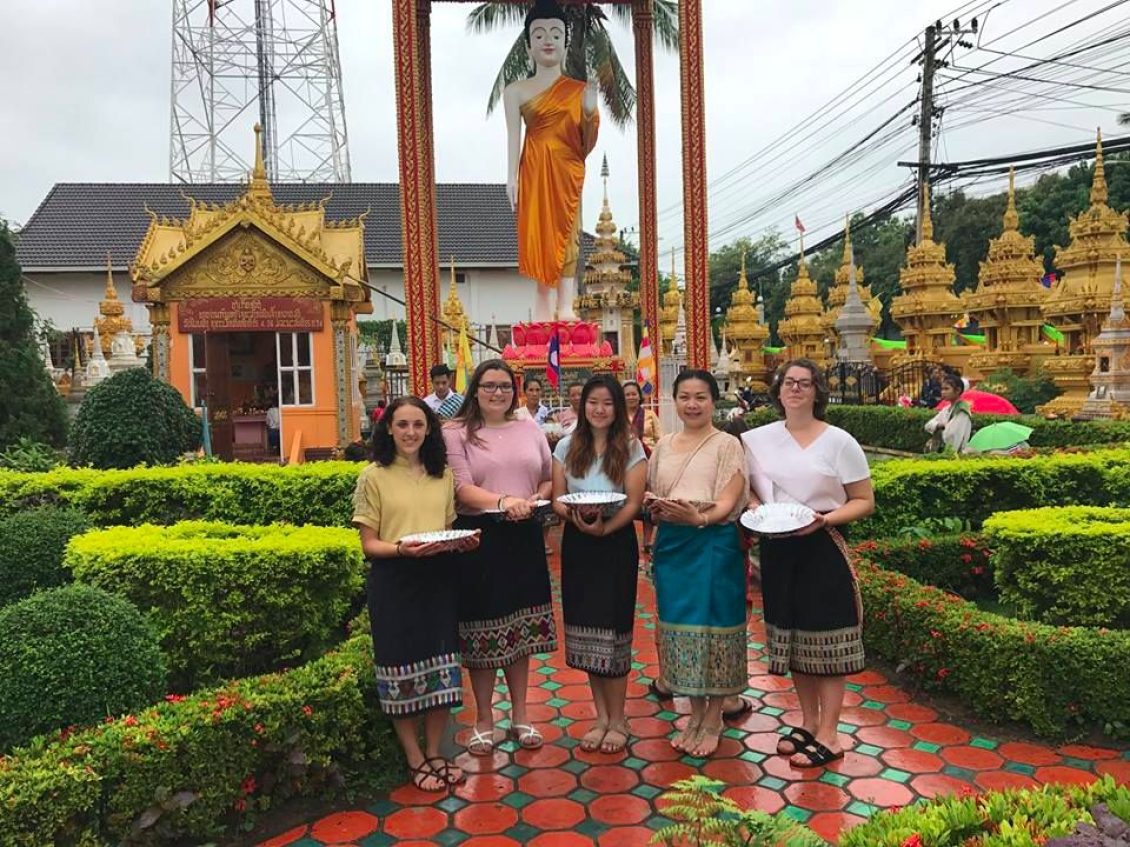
1048	279
799	226
645	365
553	362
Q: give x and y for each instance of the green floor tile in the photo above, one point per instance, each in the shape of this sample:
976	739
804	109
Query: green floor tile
648	792
752	756
562	722
557	702
846	728
382	808
833	778
377	839
638	666
573	766
895	775
1082	764
657	822
546	671
926	746
731	732
503	706
695	762
964	774
508	746
851	686
634	763
899	724
1019	767
984	743
644	615
583	795
567	742
591	828
772	711
864	810
451	836
514	771
517	799
523	833
772	783
797	814
667	716
873	704
868	750
757	645
649	626
550	685
451	803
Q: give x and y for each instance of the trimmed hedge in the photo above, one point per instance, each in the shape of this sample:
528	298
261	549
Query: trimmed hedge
320	493
913	491
1019	818
961	563
1064	565
179	769
31	549
227	600
72	655
898	428
1054	679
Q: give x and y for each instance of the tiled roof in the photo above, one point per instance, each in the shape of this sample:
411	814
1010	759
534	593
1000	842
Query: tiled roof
78	222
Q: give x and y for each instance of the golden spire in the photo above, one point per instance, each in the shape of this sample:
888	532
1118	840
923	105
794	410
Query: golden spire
259	185
1099	194
743	280
847	239
927	219
1011	216
453	308
111	291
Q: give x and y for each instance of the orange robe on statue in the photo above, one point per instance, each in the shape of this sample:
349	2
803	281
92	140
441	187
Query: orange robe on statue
551	175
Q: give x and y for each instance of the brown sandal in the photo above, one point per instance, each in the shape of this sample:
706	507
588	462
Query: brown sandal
623	731
425	771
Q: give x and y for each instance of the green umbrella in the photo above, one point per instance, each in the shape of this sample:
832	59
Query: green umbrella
999	436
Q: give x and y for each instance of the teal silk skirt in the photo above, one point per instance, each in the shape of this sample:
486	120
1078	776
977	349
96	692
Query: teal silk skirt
700	591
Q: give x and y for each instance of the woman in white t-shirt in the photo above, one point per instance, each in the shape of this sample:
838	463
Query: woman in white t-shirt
813	614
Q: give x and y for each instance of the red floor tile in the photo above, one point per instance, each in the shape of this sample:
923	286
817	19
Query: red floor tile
548	756
829	825
885	694
733	771
485	788
756	797
655	750
1082	751
547	783
939	785
1065	774
626	836
1028	754
485	818
609	779
881	792
770	682
561	839
1003	780
913	761
863	717
884	736
911	712
782	768
650	728
491	841
856	764
754	722
556	813
346	826
664	774
940	733
763	742
817	796
973	758
1120	770
867	678
416	822
620	809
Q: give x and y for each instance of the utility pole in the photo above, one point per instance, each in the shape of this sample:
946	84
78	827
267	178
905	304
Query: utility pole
937	37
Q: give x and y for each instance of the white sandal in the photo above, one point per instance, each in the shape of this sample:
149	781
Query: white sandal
528	737
481	743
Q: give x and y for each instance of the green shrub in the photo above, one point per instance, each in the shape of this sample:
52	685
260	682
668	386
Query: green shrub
30	456
132	419
1064	565
179	771
319	493
73	655
1054	679
910	491
960	563
228	600
896	428
1024	818
31	549
1026	393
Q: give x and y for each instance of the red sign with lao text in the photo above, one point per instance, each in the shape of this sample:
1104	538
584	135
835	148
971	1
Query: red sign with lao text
249	314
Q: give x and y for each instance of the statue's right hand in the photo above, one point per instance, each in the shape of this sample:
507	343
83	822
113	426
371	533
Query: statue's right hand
512	194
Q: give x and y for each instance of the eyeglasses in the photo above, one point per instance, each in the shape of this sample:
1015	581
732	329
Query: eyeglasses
803	384
496	387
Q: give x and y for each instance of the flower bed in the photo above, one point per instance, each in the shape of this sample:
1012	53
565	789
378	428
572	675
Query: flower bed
180	768
1022	818
1051	678
959	562
1064	565
228	600
319	493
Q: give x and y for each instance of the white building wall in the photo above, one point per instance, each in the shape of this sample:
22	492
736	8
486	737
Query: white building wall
500	293
69	299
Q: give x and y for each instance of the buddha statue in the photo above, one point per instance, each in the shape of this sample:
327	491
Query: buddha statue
546	171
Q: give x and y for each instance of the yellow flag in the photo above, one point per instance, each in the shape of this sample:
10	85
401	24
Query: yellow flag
463	364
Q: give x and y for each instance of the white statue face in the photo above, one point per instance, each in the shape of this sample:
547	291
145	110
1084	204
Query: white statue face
547	42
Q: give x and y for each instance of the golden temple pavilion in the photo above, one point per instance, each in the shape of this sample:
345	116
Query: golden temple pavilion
802	328
744	329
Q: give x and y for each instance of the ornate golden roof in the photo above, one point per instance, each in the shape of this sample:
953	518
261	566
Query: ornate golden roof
927	306
837	294
111	313
802	328
743	326
334	249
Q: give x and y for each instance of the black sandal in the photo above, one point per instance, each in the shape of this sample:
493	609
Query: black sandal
424	772
744	709
817	754
799	737
658	693
445	771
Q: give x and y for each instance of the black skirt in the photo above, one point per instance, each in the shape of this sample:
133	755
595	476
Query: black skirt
505	606
813	612
413	610
598	598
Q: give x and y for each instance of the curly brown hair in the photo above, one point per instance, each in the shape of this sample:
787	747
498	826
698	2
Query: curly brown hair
820	406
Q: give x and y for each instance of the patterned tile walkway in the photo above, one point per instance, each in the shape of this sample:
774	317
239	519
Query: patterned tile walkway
561	796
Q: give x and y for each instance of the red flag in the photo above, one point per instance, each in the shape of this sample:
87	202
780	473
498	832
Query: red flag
799	225
553	362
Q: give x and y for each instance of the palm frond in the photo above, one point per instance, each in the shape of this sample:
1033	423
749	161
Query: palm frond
515	66
665	21
615	87
490	16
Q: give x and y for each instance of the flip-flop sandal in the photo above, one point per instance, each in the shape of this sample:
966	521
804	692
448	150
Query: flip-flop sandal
590	743
817	755
481	743
615	747
424	772
658	693
528	737
744	709
799	737
446	771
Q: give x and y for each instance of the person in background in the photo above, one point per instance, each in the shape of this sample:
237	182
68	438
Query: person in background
274	421
645	423
379	411
443	401
951	427
532	407
568	417
413	588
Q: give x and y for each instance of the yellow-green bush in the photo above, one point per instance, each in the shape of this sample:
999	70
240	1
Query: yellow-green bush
319	493
1066	565
228	600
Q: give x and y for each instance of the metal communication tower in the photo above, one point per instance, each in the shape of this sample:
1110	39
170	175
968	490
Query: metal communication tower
272	62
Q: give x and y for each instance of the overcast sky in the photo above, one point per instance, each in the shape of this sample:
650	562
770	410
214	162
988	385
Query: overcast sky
86	98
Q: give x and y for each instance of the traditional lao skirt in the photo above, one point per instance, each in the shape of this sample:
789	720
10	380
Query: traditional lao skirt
413	610
813	611
700	595
505	607
598	598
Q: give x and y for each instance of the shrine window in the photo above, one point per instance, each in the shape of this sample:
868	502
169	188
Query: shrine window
296	368
197	365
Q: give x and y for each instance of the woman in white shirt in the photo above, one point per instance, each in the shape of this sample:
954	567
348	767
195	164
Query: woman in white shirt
953	425
813	614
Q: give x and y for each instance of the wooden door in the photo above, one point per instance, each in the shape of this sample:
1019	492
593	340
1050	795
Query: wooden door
218	365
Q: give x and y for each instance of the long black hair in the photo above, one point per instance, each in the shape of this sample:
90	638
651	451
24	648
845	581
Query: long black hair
433	452
617	448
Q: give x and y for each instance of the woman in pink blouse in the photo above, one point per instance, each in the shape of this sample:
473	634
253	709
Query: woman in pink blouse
813	613
502	466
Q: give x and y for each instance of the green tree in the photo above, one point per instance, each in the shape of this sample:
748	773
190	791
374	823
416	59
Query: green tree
726	263
379	333
965	225
30	405
590	51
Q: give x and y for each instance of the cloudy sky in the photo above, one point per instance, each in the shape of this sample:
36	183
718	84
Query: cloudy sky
87	99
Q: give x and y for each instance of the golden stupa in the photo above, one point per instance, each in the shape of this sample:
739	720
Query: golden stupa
111	315
837	294
1080	302
744	329
927	309
452	309
1006	304
802	328
669	311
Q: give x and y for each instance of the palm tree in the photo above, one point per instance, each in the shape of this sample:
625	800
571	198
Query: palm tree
590	49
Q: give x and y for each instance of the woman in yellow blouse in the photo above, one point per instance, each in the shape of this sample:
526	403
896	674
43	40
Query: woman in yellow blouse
413	605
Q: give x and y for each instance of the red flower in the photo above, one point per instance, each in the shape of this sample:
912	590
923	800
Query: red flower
977	570
925	544
174	698
914	841
968	543
239	805
259	729
935	633
130	720
248	785
965	557
943	673
308	710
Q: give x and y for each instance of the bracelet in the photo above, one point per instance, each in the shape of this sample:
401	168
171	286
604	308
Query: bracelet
398	543
500	499
705	522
